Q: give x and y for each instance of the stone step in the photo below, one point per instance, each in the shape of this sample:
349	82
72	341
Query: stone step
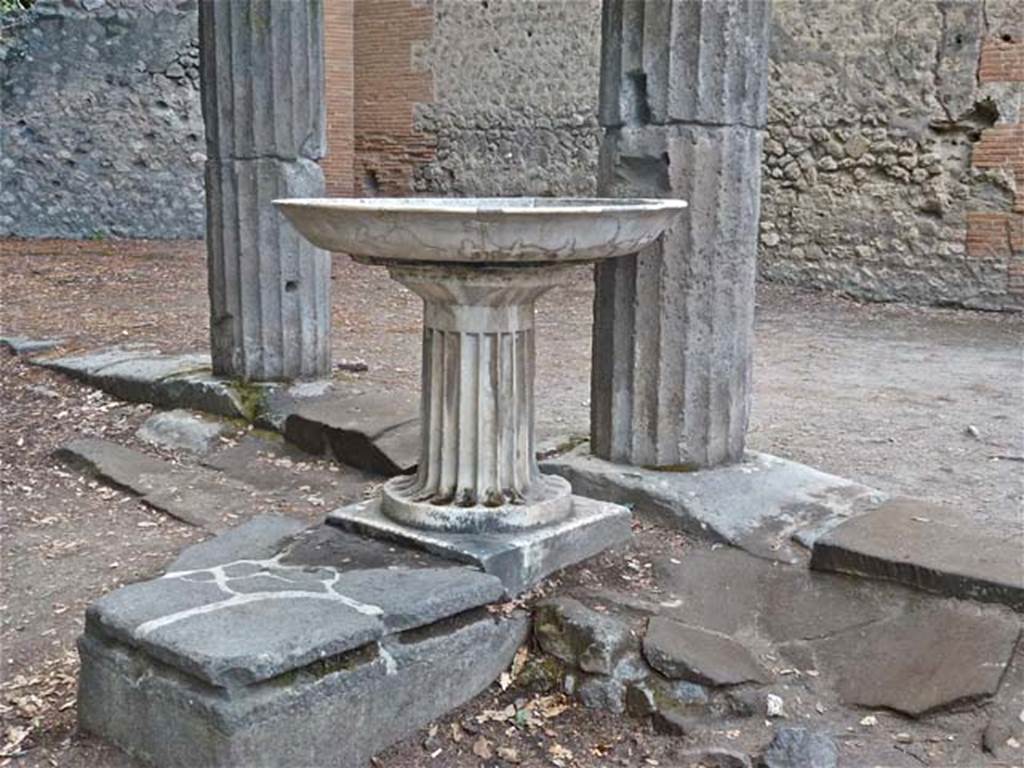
763	504
143	374
256	645
375	431
928	546
372	431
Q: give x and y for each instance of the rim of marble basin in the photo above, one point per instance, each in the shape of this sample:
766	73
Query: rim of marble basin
462	206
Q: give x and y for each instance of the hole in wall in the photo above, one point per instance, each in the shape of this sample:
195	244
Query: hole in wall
371	184
958	39
1007	38
291	286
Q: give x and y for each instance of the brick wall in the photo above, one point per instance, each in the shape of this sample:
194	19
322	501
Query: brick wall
338	166
998	236
1002	60
388	85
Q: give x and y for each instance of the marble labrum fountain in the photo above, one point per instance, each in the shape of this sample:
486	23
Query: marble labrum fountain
479	265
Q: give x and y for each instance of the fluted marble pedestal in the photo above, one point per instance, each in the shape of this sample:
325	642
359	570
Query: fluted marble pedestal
477	495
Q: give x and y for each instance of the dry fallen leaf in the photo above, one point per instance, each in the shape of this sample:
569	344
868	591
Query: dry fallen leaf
559	755
482	749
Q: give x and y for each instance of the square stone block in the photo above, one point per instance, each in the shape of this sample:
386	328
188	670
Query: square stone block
519	559
279	645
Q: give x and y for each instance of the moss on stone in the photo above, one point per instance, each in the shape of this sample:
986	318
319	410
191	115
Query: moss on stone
251	398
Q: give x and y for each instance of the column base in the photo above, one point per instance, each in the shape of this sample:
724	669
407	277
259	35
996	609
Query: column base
548	501
519	559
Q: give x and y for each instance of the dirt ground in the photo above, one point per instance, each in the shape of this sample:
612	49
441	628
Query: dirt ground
927	402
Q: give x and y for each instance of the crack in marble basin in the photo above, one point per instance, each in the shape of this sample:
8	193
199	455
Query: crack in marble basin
481	230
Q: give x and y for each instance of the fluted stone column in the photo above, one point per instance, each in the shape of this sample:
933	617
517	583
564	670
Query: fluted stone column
683	98
478	455
262	81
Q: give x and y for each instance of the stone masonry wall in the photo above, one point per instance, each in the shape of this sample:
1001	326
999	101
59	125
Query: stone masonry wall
892	168
102	131
891	165
514	108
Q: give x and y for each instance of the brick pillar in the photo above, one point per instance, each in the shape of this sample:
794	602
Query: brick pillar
262	78
683	102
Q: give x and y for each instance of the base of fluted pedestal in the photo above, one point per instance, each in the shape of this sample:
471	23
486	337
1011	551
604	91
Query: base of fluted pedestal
548	501
519	559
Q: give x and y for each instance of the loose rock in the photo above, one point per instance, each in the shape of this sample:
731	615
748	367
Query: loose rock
577	635
800	748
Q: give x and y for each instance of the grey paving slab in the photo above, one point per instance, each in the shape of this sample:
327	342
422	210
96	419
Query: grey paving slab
732	592
375	431
143	374
265	461
195	496
182	430
936	654
23	346
930	547
759	504
519	559
235	612
682	652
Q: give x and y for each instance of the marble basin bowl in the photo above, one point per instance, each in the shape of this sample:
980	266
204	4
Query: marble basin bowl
484	230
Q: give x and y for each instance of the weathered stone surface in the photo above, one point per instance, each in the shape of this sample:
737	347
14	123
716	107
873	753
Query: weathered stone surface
699	655
180	429
265	461
601	692
378	432
519	559
800	748
144	375
577	635
263	80
1003	736
714	757
253	617
683	404
929	547
269	288
257	539
381	693
23	346
938	653
196	497
689	62
102	127
759	504
682	100
730	592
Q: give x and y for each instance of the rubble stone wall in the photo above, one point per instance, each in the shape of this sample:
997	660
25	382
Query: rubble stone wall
102	130
893	165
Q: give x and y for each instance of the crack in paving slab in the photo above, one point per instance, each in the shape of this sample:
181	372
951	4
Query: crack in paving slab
222	580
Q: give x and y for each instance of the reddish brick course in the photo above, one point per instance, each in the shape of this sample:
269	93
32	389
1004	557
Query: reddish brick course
339	167
1002	61
387	88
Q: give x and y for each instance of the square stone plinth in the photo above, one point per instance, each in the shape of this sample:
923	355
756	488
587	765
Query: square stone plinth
519	559
279	645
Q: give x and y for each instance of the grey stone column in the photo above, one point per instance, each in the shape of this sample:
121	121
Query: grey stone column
262	78
683	97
